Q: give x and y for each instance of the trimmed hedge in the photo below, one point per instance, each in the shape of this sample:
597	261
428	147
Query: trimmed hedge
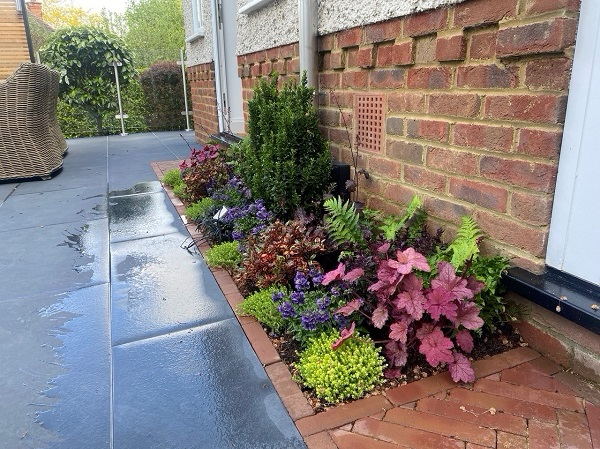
162	84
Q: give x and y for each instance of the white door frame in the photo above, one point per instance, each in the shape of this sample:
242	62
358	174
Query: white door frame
224	80
581	117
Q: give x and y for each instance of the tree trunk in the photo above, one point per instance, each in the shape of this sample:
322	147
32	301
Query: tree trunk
99	128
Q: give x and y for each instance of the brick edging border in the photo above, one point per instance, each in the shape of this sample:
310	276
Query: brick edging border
304	417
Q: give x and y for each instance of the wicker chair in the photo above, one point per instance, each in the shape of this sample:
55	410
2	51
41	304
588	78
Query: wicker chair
31	142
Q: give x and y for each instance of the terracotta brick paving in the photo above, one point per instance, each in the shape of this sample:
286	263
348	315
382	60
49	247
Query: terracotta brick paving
520	400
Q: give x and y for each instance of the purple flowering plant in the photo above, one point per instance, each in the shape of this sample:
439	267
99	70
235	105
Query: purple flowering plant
243	217
310	307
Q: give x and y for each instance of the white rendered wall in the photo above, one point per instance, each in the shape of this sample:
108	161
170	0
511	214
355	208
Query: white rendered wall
200	50
336	15
277	23
272	26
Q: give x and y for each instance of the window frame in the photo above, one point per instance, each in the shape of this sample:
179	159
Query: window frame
197	25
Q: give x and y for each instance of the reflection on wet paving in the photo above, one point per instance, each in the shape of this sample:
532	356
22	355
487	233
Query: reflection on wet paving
111	334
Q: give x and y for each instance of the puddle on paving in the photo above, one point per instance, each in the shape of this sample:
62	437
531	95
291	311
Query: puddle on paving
142	187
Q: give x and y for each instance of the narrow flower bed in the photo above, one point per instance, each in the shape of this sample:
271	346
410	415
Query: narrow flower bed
365	301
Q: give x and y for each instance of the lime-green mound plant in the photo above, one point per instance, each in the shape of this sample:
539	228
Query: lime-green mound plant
261	306
225	255
349	371
199	209
172	177
180	190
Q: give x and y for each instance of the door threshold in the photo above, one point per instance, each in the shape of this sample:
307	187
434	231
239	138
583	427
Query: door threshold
559	292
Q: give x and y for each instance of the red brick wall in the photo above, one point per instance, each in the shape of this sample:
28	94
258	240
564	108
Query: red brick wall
475	99
204	100
284	60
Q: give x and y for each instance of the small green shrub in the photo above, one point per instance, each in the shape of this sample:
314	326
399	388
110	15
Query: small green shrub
172	177
225	255
261	306
180	190
350	371
199	209
284	159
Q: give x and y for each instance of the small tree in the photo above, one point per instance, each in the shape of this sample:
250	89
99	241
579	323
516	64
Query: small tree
83	57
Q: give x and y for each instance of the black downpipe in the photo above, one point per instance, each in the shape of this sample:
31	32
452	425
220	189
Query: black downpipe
27	32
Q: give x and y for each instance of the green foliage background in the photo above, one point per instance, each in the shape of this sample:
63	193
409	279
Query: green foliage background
82	55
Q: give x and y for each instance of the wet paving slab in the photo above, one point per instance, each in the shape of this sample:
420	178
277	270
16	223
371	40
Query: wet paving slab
68	206
210	386
53	259
111	334
158	287
142	215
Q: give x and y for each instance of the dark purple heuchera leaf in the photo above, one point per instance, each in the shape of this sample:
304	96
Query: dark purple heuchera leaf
333	275
447	279
460	368
391	373
412	302
380	316
345	334
440	302
425	330
464	340
467	315
353	275
398	331
436	348
350	307
407	260
395	353
387	279
474	285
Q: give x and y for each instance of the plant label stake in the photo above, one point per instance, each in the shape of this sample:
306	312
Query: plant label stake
121	116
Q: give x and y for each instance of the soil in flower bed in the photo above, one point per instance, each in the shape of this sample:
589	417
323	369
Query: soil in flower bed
488	344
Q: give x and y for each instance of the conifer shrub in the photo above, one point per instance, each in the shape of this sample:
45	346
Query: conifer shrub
284	159
348	372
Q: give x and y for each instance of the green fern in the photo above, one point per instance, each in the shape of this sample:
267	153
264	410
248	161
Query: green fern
466	244
342	221
391	224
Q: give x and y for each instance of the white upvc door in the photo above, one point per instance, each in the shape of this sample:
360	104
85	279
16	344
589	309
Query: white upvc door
574	242
228	83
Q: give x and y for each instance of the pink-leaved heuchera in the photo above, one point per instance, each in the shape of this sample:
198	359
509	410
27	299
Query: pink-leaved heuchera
435	319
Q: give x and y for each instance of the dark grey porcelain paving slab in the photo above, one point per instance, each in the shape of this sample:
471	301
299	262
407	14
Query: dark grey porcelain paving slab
51	259
53	207
55	371
157	287
6	189
198	388
141	216
122	179
81	414
142	187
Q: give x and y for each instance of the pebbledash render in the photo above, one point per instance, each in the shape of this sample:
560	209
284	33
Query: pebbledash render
460	102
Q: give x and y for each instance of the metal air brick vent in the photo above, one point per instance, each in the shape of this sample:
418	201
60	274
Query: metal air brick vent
368	116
